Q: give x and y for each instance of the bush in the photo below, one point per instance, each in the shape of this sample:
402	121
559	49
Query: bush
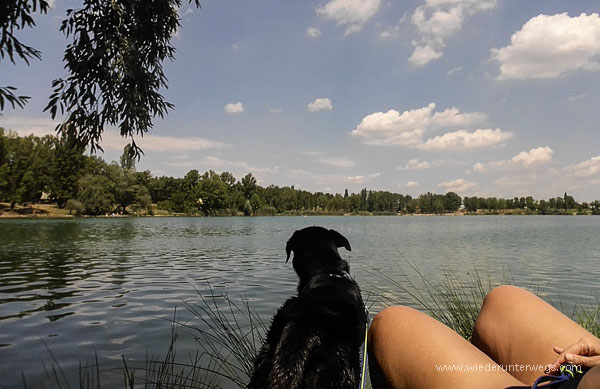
75	206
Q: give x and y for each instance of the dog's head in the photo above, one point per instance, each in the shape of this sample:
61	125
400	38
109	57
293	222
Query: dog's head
315	250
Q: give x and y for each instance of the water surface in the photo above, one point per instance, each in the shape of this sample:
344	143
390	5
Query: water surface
110	286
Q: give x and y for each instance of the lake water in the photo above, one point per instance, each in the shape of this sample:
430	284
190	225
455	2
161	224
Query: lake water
73	288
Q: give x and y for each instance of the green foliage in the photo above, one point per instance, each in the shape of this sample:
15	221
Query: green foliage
96	194
66	169
24	167
31	165
75	206
17	15
115	65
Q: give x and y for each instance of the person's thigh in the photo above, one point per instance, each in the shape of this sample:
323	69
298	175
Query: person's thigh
408	349
519	329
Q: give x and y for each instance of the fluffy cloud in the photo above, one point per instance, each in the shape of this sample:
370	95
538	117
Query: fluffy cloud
460	140
393	128
320	104
407	128
313	32
588	168
409	184
336	161
232	108
437	20
415	164
524	159
550	46
351	13
452	117
459	186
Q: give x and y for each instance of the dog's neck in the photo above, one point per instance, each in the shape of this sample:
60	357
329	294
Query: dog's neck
341	271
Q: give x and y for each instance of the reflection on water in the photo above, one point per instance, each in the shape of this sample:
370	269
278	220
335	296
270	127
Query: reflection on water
110	285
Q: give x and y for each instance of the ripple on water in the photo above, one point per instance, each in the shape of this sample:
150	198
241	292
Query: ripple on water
111	287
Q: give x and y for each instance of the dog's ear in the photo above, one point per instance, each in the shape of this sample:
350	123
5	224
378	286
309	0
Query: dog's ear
340	240
289	247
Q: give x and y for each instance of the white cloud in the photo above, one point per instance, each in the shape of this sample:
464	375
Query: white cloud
313	32
550	46
437	20
588	168
356	179
25	126
452	117
318	153
460	140
362	179
525	159
217	163
454	71
393	128
394	31
407	129
351	13
409	184
275	110
424	54
320	104
415	164
459	186
571	99
336	161
111	138
166	143
232	108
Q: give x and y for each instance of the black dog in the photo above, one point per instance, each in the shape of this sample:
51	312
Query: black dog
315	337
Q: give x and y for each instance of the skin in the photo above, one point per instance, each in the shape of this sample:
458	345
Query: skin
514	327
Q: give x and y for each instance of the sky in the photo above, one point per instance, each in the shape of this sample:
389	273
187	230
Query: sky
480	97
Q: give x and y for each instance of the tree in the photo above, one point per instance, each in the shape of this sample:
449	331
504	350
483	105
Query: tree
67	168
452	202
114	64
96	194
141	200
127	159
248	186
16	15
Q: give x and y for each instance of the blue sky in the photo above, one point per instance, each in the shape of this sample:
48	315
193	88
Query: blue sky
480	97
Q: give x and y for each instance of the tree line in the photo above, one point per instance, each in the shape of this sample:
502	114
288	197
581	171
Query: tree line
34	169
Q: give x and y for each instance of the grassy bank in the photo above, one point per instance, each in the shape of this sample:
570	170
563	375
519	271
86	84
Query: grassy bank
229	332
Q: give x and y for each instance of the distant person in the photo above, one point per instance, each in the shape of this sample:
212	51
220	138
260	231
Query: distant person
514	330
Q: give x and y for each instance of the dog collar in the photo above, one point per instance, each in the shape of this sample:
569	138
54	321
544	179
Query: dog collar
344	274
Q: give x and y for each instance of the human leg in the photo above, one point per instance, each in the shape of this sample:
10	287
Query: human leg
408	349
516	328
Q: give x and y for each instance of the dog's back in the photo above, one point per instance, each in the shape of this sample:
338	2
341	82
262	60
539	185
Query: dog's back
315	337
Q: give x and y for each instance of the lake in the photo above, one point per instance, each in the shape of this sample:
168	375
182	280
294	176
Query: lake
73	288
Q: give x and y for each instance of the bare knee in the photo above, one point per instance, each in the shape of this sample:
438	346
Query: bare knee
503	296
391	320
497	305
499	301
